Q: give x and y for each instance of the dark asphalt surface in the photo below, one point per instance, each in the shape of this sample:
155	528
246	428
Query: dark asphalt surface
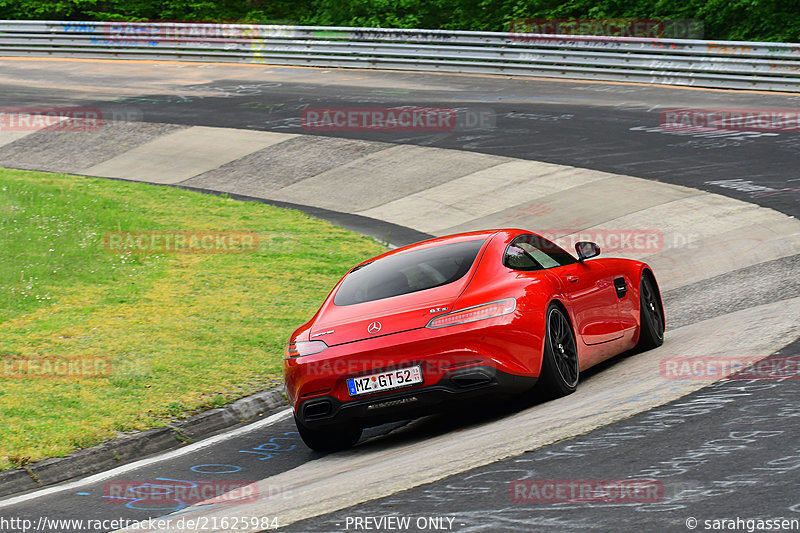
731	450
613	128
753	473
165	487
246	459
573	130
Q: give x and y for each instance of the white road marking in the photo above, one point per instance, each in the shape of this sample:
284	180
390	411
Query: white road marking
280	415
634	385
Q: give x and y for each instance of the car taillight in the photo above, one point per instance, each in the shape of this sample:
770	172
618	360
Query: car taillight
475	313
299	349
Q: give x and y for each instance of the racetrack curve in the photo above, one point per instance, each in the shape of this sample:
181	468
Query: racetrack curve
554	160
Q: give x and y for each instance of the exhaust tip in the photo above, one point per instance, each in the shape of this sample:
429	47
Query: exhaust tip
317	409
475	378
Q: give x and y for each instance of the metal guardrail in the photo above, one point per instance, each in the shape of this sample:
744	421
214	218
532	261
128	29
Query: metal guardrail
721	64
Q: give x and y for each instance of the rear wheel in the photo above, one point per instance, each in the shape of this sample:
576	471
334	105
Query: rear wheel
560	368
651	315
329	440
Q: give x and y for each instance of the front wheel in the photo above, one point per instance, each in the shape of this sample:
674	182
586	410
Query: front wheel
330	440
651	315
560	367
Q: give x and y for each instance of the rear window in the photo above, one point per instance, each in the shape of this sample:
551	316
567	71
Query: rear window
408	272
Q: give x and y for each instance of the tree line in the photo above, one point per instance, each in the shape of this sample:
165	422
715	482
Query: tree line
756	20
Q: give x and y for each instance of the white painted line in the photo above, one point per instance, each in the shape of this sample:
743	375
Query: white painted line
280	415
635	384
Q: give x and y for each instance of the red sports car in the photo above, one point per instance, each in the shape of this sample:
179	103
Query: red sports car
440	321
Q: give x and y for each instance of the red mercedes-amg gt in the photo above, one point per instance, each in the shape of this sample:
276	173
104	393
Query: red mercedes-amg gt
500	311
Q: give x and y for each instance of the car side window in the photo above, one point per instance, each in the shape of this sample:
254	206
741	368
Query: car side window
531	252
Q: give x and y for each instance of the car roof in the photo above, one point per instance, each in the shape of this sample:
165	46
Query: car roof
447	239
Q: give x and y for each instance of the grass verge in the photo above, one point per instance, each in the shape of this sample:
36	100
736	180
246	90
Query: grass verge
176	332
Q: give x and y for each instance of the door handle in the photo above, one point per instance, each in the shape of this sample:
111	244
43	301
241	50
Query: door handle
572	279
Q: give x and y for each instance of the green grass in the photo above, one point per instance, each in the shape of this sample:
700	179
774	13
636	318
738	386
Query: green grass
182	331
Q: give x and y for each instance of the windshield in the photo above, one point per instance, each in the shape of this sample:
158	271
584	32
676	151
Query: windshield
408	272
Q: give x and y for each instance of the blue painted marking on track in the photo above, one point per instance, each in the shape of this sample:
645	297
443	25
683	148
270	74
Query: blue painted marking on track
270	449
196	468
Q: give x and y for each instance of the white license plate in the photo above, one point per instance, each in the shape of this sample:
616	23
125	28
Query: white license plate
394	379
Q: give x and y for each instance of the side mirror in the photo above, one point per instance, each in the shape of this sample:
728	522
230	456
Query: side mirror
586	250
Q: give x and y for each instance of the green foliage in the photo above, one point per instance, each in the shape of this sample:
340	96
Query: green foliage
179	332
759	20
265	11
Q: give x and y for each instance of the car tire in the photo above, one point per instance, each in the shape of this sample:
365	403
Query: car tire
560	367
651	315
329	440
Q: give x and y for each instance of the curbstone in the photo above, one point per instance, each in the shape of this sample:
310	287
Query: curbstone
129	448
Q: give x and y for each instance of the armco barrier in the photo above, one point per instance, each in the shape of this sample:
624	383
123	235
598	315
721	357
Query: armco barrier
722	64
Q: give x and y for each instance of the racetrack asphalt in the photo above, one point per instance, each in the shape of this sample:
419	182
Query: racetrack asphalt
729	451
612	128
607	127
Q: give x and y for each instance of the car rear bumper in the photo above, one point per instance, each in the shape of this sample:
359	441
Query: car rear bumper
505	344
454	387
